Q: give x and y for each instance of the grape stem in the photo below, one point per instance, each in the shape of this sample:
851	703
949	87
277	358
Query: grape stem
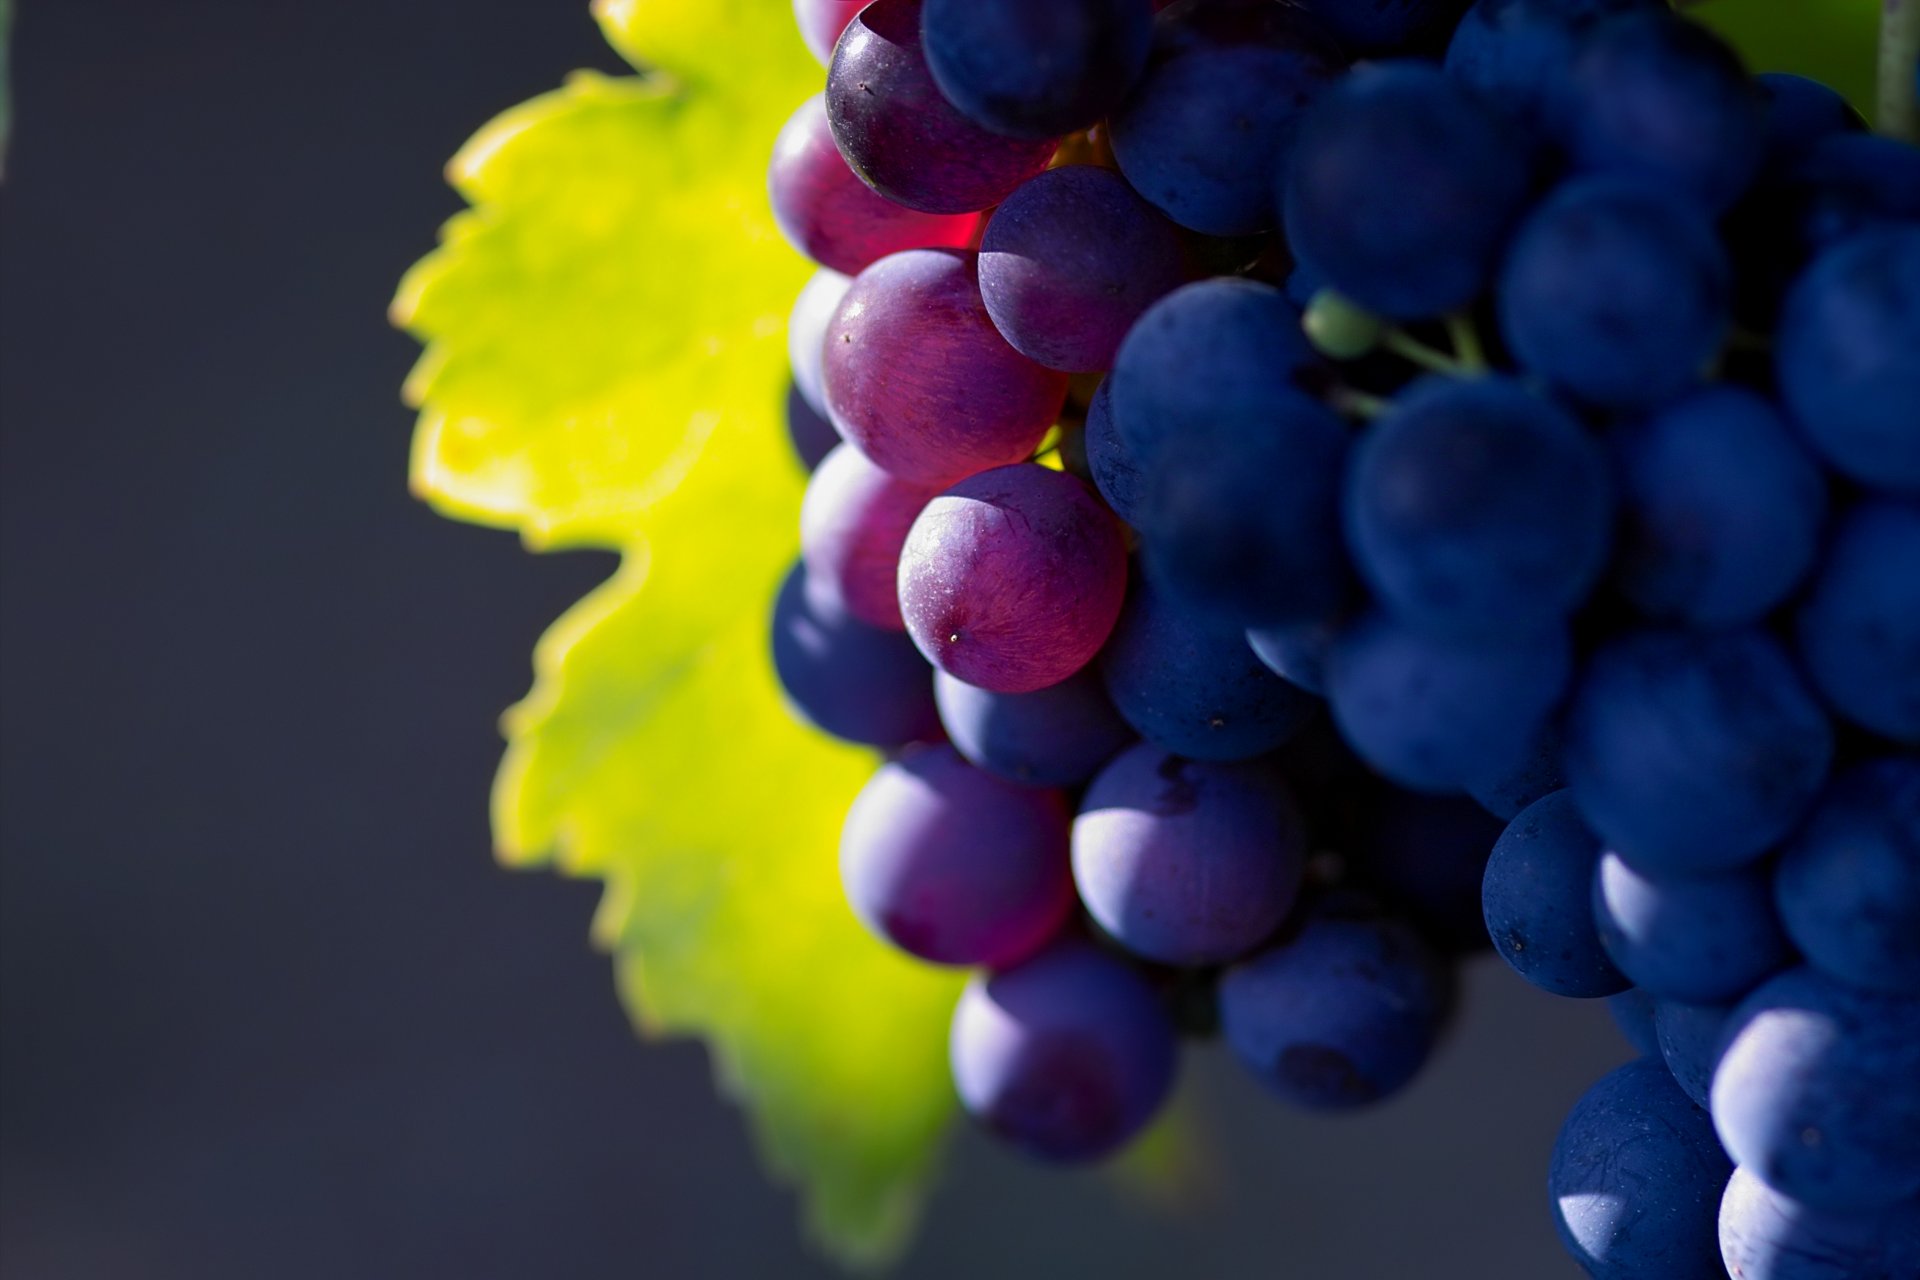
1357	404
1466	343
1897	110
1410	348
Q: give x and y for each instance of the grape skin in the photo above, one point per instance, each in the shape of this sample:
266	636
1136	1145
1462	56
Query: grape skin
1702	939
856	682
1035	68
853	523
1859	624
1053	737
1537	894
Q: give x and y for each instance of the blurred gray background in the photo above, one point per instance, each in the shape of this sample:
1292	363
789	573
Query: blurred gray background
268	1008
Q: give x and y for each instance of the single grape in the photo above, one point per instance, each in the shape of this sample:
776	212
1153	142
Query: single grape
1656	97
1764	1235
1616	292
1799	113
1193	687
1859	625
1426	856
1537	896
1428	710
1187	862
903	137
828	214
1053	737
1477	508
1342	1014
921	381
1109	461
955	865
1636	1177
1375	27
1694	752
1012	579
853	523
822	21
1297	652
813	310
810	434
1067	1057
1505	792
1071	260
1689	1036
1845	356
1633	1013
851	680
1818	1092
1380	135
1704	939
1208	129
1721	509
1848	883
1035	68
1515	53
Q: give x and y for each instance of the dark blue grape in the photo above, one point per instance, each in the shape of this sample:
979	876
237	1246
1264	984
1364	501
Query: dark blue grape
1859	627
1187	862
1615	291
1297	652
1036	68
1210	124
1721	509
1633	1013
1799	113
1426	856
1764	1235
1505	792
1656	97
851	680
1694	752
1845	357
1478	508
1342	1014
1537	895
954	865
1053	737
1818	1092
1704	939
1427	710
1066	1057
1848	883
1193	687
1515	53
1636	1177
810	434
1111	463
1689	1036
1070	261
899	133
1375	27
1383	134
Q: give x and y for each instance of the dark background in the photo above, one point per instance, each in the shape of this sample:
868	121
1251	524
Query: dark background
268	1007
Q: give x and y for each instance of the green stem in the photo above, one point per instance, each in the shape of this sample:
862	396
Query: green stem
1466	343
1411	348
1897	111
1358	404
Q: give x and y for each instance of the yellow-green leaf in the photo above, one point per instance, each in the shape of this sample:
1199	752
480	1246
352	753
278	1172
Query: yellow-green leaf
605	360
1829	40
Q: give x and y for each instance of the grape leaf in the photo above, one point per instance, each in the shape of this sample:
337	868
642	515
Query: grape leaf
1829	40
604	363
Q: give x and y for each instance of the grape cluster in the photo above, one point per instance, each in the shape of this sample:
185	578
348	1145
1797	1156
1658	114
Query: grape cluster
1305	492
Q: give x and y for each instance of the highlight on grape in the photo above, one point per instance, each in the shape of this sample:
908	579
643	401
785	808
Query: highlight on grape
1305	493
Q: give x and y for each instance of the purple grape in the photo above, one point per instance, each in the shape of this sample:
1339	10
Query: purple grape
1635	1179
1859	625
1070	261
813	310
1537	896
921	381
853	681
1012	579
900	134
1036	68
1704	939
852	525
1067	1057
1187	862
955	865
1693	752
1848	883
1341	1015
1765	1235
1430	712
1658	98
828	214
1818	1092
1721	513
822	21
1053	737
